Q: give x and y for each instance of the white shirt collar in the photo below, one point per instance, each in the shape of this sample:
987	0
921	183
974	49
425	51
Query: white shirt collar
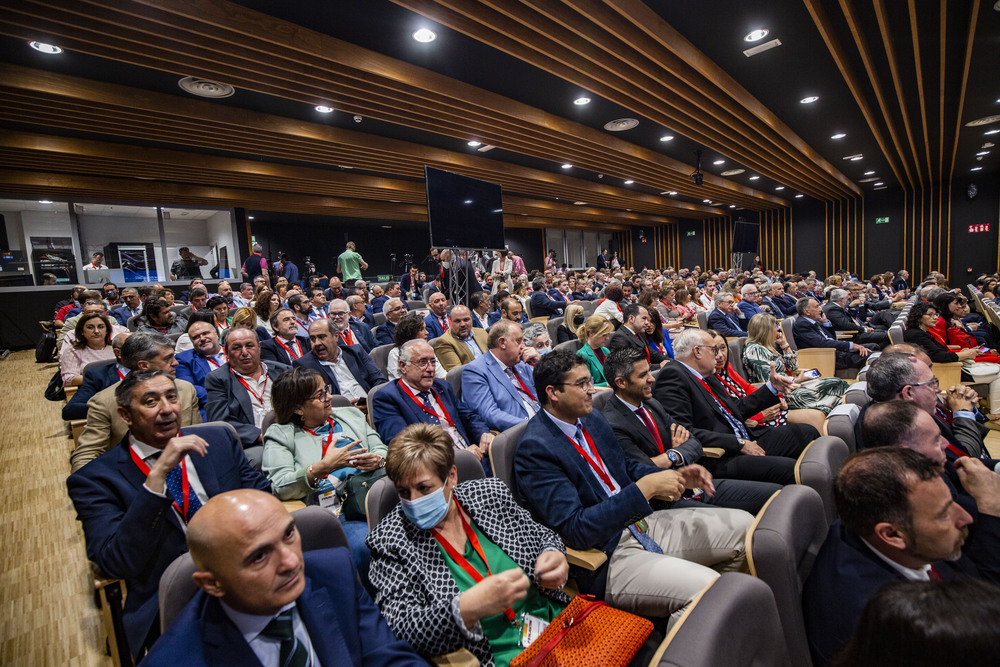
565	427
142	449
263	368
251	625
907	572
693	371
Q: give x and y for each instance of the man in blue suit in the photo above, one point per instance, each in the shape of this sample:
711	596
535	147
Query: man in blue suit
393	309
419	397
437	320
811	330
347	369
287	345
750	301
545	305
724	318
205	356
130	499
319	614
95	380
573	477
131	306
499	383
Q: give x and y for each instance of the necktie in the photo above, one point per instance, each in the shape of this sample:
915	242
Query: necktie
933	574
823	330
175	487
651	427
425	396
535	407
737	426
293	652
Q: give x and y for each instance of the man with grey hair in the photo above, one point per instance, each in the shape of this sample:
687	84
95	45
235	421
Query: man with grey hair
500	384
841	319
255	265
724	317
691	393
812	329
140	351
357	314
420	397
393	309
340	317
749	304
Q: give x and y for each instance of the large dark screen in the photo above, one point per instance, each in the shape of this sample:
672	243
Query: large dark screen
463	212
745	236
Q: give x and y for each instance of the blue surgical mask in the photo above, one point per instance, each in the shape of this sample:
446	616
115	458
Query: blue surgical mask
544	350
427	511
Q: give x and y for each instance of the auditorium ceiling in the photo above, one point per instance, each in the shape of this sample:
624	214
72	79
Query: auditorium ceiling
896	83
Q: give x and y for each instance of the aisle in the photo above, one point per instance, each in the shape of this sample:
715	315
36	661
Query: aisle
47	615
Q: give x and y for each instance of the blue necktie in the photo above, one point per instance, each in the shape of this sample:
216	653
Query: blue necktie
293	652
175	487
535	407
736	424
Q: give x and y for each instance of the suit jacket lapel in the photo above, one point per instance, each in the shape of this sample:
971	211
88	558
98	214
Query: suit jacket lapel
503	379
325	633
632	421
224	645
241	394
130	471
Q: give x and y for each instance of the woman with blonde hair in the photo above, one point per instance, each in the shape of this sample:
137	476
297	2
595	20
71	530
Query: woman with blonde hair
766	343
567	330
595	333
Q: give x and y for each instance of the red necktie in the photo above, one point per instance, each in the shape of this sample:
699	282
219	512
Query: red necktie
644	416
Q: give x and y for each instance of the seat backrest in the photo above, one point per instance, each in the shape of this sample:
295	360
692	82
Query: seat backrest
380	355
602	397
857	393
895	334
97	364
382	497
454	378
553	328
786	329
817	466
781	548
225	425
380	318
416	305
736	346
571	345
588	307
133	322
840	423
318	529
502	451
740	614
266	422
702	316
340	401
371	395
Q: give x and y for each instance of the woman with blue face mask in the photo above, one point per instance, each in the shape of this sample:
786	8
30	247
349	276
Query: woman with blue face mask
460	565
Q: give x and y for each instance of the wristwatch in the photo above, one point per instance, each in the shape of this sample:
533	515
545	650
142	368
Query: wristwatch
743	443
675	458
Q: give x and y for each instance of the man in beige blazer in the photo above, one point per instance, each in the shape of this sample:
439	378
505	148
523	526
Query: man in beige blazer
461	343
105	429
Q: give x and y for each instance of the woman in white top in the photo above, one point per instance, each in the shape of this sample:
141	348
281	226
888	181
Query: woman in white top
501	270
410	326
92	343
609	307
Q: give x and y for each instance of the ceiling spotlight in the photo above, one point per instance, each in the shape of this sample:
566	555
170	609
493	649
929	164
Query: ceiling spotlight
756	35
696	175
323	109
580	101
249	217
879	183
799	196
732	206
672	193
869	173
579	203
839	135
754	178
424	35
707	201
976	169
780	187
667	137
44	201
49	49
719	162
983	153
997	131
808	100
475	143
856	158
629	181
567	166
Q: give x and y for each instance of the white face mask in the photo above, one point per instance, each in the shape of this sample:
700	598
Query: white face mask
446	264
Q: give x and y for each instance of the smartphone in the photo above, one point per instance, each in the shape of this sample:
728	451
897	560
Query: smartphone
984	349
812	373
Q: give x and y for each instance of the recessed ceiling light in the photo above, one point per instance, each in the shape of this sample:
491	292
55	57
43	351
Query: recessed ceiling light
670	193
567	166
620	124
667	137
719	162
997	131
732	172
732	206
756	35
475	143
869	173
44	201
839	135
323	109
982	121
808	100
754	178
424	35
707	201
879	183
50	49
580	101
983	153
761	48
579	203
205	88
780	187
856	158
386	226
629	181
799	196
868	180
976	169
249	217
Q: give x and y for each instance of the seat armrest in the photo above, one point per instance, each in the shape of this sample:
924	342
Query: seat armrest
589	559
713	452
463	657
292	505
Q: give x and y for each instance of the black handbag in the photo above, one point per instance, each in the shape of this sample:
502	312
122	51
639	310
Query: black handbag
352	493
45	351
55	391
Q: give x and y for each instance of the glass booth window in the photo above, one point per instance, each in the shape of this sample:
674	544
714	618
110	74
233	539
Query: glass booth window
200	243
120	243
36	243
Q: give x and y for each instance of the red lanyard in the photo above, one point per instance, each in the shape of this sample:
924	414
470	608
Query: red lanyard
465	564
734	388
213	362
424	407
329	437
252	392
709	390
524	387
222	325
289	350
185	485
347	336
121	376
598	466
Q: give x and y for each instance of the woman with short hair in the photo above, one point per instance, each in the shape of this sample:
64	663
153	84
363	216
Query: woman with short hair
595	333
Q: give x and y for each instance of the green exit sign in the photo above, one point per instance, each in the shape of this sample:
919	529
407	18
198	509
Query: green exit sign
882	221
383	277
691	233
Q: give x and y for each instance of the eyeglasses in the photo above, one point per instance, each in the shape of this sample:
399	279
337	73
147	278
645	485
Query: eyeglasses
322	393
933	383
586	384
424	363
338	313
397	308
716	349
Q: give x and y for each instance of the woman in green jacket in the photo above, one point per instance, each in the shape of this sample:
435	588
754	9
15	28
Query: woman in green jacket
595	333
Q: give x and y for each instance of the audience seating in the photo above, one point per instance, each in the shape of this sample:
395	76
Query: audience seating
896	334
857	393
702	317
818	464
380	355
840	423
588	307
371	395
736	346
133	322
416	305
380	318
571	345
733	622
786	330
781	548
602	397
454	378
553	328
823	359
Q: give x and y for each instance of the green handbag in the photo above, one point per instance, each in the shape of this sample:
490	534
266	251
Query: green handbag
353	490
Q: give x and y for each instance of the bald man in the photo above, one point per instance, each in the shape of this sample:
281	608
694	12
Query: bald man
255	583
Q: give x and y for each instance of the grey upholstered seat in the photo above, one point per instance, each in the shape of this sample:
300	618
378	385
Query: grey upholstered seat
818	464
840	423
380	355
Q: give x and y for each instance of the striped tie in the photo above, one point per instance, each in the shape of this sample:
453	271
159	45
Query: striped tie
293	652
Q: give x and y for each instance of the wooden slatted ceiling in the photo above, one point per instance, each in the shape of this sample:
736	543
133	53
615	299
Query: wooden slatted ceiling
625	52
257	52
32	97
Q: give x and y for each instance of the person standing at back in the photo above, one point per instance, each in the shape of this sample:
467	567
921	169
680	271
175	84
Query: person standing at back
350	264
255	265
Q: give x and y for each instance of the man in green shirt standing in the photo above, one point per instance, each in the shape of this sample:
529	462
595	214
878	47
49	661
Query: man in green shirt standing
350	263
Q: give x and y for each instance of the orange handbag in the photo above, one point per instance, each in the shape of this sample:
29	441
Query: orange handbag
587	633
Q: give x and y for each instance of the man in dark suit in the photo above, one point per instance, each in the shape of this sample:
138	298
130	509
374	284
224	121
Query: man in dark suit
897	521
842	320
287	345
808	330
131	306
347	369
784	301
480	310
393	309
690	393
97	379
602	260
574	478
350	332
361	318
318	614
723	317
195	364
459	279
437	320
632	334
239	392
649	435
131	499
419	397
545	305
901	282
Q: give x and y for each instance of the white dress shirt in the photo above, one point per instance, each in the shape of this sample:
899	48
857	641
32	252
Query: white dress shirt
148	453
570	431
349	387
262	405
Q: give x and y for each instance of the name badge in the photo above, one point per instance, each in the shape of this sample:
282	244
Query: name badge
326	495
531	629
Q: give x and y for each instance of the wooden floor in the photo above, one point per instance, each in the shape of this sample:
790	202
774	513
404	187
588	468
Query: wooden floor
47	612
